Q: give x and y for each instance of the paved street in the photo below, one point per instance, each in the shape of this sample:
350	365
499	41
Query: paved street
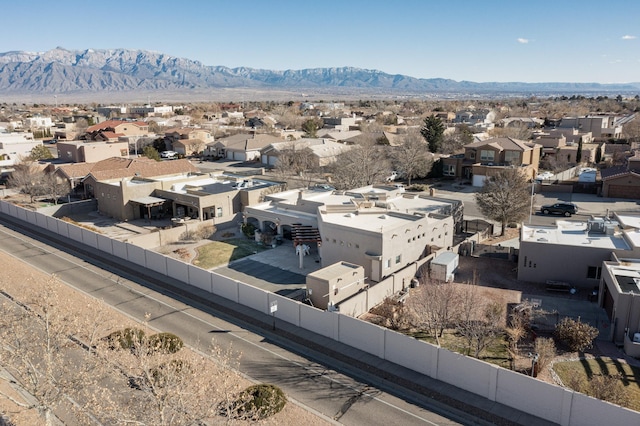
335	389
588	204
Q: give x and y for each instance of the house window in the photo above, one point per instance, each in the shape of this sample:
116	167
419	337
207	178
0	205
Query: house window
398	258
487	155
594	272
472	155
512	157
449	170
219	212
387	264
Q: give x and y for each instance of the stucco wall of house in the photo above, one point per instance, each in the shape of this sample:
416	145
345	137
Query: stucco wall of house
539	262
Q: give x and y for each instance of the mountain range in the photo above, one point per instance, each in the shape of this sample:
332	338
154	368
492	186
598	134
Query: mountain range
102	72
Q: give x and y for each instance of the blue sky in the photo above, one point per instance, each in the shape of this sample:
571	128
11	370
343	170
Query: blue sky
517	40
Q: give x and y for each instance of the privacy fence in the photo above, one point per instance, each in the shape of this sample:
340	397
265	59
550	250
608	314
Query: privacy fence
544	400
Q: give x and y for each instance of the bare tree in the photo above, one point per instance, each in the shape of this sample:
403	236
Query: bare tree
39	354
545	348
294	160
435	306
413	158
54	187
365	164
27	178
505	197
480	332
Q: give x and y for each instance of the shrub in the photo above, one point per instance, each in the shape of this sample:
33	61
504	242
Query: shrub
188	236
167	343
248	229
125	339
205	232
259	402
418	187
576	334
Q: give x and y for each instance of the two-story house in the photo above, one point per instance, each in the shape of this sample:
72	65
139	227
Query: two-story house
187	140
482	159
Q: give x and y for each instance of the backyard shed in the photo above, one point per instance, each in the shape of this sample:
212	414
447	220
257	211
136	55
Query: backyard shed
444	266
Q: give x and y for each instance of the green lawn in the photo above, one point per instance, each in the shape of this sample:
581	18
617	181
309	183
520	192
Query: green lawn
219	253
584	369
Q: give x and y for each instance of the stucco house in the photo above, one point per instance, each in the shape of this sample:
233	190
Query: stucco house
482	159
243	146
91	152
545	250
173	189
322	152
118	127
377	227
187	140
619	295
602	127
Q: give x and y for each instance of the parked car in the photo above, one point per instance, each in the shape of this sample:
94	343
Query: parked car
566	209
168	154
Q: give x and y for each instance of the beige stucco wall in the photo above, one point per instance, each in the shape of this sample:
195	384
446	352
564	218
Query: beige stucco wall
383	253
331	290
130	129
539	262
94	152
113	198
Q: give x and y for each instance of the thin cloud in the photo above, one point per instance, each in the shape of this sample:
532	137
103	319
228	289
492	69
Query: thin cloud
523	40
628	37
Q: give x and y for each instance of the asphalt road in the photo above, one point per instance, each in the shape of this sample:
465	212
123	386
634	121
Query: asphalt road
328	387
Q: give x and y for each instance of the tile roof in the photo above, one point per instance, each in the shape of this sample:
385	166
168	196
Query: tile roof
113	123
128	167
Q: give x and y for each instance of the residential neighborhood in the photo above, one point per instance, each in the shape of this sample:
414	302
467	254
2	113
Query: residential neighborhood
373	210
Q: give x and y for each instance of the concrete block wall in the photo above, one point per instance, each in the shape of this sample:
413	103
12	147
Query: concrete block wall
524	393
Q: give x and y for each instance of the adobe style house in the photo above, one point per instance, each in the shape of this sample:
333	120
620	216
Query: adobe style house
602	127
377	227
619	295
573	251
91	152
482	159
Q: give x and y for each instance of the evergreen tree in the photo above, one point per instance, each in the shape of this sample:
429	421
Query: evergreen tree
433	132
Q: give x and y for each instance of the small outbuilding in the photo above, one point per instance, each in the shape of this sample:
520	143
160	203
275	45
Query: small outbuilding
444	266
329	286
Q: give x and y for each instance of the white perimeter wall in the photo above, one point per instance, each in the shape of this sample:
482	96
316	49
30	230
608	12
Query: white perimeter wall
541	399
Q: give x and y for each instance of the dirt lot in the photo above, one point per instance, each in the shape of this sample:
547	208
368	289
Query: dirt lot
13	279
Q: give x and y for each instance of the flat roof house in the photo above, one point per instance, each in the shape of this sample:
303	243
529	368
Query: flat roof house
620	296
377	227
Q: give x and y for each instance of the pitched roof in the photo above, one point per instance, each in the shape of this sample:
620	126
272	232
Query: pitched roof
248	142
508	144
111	124
128	167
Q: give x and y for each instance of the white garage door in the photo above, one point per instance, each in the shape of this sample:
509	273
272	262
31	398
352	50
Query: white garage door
478	180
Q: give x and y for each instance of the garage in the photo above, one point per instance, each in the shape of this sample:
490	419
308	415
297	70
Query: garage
625	186
622	191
